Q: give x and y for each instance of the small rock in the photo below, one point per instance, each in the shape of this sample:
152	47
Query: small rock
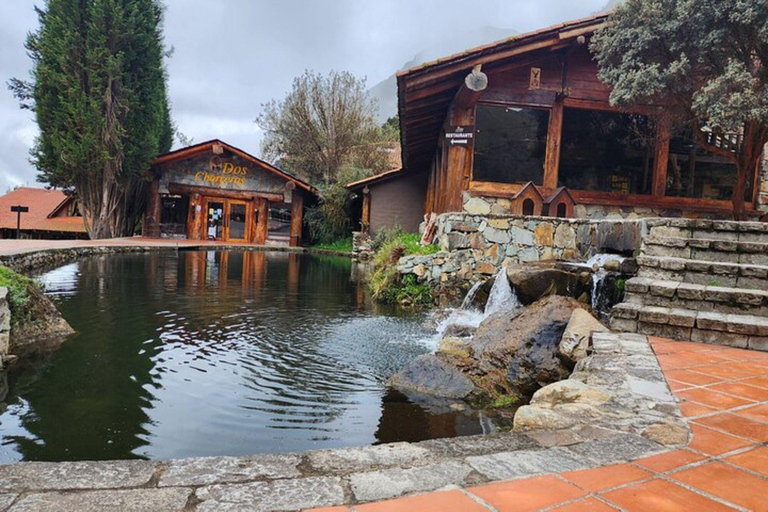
578	333
667	434
430	375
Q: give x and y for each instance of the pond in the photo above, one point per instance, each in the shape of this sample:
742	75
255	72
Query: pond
202	353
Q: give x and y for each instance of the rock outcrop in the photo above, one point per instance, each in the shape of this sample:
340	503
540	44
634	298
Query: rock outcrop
432	375
42	328
531	284
574	345
619	387
513	352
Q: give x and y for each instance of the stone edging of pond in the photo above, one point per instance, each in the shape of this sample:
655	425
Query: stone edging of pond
296	481
28	261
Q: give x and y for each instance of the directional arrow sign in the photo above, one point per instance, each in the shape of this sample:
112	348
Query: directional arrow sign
460	135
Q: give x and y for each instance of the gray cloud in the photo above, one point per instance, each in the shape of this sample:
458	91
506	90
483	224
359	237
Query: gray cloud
231	56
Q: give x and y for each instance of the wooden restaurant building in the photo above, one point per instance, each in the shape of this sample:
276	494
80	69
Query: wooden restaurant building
525	126
214	191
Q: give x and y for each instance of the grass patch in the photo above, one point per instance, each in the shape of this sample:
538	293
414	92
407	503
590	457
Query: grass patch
343	245
386	284
505	402
20	294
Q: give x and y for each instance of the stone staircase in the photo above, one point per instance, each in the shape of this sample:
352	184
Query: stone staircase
700	280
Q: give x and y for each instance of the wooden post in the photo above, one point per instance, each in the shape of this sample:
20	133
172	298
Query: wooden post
366	217
151	226
195	217
297	214
458	163
262	221
661	160
554	136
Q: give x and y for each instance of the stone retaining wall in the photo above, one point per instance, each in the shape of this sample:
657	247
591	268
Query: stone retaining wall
476	246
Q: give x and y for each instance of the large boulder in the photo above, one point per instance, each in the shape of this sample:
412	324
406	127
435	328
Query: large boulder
532	283
518	352
431	375
577	337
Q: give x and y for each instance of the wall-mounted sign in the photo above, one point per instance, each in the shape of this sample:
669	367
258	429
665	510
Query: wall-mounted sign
460	135
229	174
535	78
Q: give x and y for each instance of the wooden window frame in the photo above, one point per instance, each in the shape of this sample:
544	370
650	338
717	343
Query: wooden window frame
473	184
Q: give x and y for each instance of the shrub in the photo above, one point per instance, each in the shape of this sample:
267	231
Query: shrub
385	283
20	295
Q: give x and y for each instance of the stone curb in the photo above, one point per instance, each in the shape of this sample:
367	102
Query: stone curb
296	481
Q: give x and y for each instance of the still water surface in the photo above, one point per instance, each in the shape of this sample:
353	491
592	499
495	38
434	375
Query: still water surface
216	353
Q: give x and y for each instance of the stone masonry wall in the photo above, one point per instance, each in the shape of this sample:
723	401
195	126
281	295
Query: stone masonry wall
475	246
485	205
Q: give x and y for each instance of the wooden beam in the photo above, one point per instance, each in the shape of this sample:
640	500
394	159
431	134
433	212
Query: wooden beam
661	158
297	212
262	221
247	195
458	162
366	216
554	137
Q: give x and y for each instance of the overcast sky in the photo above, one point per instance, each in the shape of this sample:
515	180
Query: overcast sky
231	56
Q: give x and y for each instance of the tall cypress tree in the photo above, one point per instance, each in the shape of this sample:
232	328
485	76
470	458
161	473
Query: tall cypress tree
99	93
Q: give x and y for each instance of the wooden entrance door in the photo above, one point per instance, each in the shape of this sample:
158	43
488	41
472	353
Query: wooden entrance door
226	220
236	225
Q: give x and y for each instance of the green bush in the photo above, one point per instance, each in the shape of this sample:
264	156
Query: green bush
20	291
385	283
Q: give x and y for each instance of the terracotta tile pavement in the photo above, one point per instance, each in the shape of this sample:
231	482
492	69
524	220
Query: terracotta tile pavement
724	396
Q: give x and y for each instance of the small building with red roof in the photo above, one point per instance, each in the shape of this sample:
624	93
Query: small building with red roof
52	214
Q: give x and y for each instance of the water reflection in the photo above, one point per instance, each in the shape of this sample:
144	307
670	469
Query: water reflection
216	353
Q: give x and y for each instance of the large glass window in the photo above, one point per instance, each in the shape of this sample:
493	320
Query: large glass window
606	151
510	144
695	172
173	215
279	221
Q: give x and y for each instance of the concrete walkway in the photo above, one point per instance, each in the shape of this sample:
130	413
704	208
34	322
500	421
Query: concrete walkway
14	247
724	394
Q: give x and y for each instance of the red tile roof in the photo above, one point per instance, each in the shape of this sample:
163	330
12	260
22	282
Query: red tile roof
42	203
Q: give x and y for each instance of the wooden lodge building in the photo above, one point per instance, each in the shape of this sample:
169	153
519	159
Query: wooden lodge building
214	191
525	126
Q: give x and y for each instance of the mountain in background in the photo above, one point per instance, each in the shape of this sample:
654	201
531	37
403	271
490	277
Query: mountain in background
385	92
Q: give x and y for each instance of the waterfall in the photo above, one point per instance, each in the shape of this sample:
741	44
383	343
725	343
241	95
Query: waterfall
597	263
471	294
502	297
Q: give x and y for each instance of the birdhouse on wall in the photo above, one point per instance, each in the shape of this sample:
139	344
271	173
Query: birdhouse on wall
528	201
560	204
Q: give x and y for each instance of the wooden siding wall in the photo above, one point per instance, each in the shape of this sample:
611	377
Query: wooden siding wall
398	202
568	79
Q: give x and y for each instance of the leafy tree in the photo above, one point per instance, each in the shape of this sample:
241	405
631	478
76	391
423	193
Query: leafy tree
98	91
703	62
326	123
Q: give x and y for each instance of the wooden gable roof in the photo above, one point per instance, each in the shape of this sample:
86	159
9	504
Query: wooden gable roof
425	92
207	147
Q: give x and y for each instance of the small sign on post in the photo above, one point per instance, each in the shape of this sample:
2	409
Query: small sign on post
460	136
18	210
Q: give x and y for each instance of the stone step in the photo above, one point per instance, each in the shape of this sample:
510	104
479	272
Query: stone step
712	273
709	229
747	253
742	331
649	291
